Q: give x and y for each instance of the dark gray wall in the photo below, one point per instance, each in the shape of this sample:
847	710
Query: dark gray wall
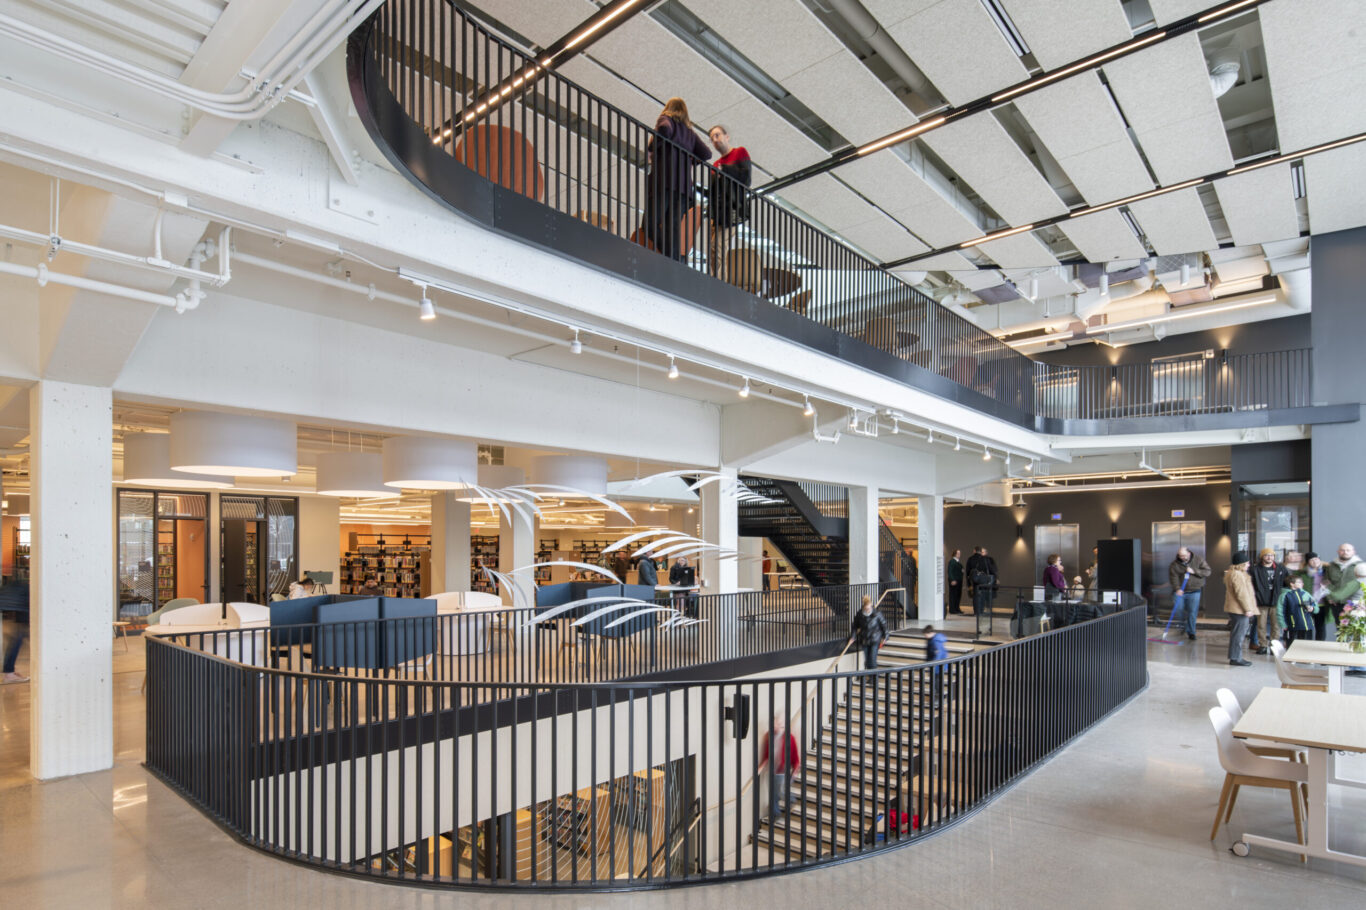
1276	462
1133	510
1338	261
1252	338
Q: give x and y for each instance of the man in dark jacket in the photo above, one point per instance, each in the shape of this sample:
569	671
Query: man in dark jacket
1187	575
646	573
983	579
870	629
727	198
1268	578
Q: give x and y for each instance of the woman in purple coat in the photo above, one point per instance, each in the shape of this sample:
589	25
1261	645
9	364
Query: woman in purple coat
1054	582
669	180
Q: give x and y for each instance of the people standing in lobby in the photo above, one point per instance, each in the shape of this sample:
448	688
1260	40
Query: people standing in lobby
955	582
1240	603
983	579
669	180
1312	573
1187	575
727	198
870	630
1297	610
1268	578
646	573
971	566
1054	581
621	565
1340	581
14	602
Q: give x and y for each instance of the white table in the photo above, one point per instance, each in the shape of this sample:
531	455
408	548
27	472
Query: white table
1337	656
469	635
1321	724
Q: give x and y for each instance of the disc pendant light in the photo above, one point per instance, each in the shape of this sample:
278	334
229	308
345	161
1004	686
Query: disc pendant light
205	442
356	474
422	463
147	461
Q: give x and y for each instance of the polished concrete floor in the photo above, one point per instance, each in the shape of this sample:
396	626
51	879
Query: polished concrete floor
1120	819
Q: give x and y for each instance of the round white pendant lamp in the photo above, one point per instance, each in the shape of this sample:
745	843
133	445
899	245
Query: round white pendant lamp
147	461
204	442
421	463
584	473
356	474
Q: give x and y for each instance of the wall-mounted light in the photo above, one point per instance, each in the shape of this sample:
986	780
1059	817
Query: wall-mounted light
1019	532
744	389
673	368
1114	529
1223	527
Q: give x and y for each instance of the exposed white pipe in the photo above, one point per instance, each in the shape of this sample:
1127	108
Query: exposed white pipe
154	262
45	277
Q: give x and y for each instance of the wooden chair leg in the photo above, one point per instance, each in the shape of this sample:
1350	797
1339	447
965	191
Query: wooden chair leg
1232	798
1299	822
1223	798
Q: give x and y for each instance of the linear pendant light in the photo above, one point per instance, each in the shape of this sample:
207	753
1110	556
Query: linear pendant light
351	474
423	463
206	442
147	461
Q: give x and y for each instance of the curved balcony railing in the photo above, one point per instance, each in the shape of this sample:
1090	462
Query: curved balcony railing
486	130
618	785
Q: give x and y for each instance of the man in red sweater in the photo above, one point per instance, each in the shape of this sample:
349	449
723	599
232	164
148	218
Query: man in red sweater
728	198
787	758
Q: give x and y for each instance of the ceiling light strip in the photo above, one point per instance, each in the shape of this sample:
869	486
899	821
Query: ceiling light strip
1092	61
995	236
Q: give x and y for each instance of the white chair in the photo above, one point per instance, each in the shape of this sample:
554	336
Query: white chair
1242	768
1229	702
1293	677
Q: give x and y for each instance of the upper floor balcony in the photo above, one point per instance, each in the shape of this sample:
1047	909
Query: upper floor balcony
506	140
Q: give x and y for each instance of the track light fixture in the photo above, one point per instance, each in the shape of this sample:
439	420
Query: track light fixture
426	310
1033	289
744	389
853	419
1185	273
576	346
1029	466
958	445
808	411
986	454
673	368
1104	283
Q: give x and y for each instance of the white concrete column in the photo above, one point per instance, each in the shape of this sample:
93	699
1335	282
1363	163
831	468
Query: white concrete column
320	536
930	597
71	467
750	572
720	526
450	543
863	535
517	548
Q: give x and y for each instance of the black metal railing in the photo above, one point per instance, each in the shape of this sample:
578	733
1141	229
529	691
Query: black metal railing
830	499
621	785
897	567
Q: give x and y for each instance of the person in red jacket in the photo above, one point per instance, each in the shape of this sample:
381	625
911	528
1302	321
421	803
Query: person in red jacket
787	758
727	198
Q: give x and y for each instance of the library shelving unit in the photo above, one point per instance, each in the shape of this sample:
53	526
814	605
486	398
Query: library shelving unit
166	547
545	550
483	552
403	569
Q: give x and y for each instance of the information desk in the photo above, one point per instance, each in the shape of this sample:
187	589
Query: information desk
1337	656
1321	724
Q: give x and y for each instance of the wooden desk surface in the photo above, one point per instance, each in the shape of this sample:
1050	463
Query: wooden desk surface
1314	719
1327	653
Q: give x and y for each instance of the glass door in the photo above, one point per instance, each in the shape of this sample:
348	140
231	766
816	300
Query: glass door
162	551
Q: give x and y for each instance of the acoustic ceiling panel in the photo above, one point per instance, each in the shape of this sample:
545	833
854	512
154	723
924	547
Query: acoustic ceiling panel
1102	237
1020	251
1079	124
956	45
615	91
1165	94
893	185
826	200
982	153
1060	32
843	93
883	238
779	36
774	144
1337	194
1316	61
543	21
1259	205
1175	223
642	51
1169	11
944	262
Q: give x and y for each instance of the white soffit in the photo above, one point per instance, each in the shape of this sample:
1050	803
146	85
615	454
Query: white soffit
1259	205
956	45
1168	11
1175	223
661	64
1316	61
1079	124
980	151
843	93
1021	251
1060	32
780	36
1337	192
774	144
823	198
884	238
1165	94
898	189
543	21
586	73
1103	236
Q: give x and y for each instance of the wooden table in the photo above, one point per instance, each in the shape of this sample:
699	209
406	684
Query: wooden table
1321	724
1337	656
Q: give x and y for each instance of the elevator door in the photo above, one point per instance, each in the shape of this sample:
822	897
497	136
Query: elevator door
1170	536
1060	539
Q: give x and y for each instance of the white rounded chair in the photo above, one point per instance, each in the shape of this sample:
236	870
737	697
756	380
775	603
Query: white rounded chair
1243	768
1293	677
1234	709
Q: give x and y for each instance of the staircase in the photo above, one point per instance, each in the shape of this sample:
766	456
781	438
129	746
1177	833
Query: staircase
865	758
816	544
897	568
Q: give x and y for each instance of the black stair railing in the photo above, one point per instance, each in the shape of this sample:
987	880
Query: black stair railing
816	543
897	567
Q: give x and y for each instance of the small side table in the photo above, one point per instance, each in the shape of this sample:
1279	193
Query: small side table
121	631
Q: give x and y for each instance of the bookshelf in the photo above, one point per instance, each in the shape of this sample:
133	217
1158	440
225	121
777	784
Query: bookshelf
590	551
166	547
402	569
483	552
545	551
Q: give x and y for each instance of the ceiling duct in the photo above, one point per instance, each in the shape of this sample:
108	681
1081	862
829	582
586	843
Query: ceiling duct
1224	66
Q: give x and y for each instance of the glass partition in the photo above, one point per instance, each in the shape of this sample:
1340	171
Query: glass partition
162	551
